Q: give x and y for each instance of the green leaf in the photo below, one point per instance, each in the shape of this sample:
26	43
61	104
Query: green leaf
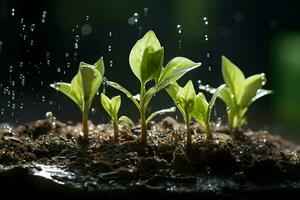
200	109
226	96
66	89
212	102
126	119
260	93
100	66
91	81
83	86
172	90
186	96
116	104
252	85
233	77
160	112
170	78
146	57
122	89
111	106
176	68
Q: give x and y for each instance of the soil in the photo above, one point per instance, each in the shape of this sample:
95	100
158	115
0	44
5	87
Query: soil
46	159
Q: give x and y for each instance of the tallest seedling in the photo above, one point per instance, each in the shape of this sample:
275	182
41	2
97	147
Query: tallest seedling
146	62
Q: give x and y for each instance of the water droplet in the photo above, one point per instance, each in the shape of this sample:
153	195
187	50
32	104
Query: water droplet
206	37
43	98
109	48
12	12
209	68
68	65
179	44
207	55
76	45
21	105
204	18
44	12
131	21
146	11
43	20
11	68
77	38
136	17
110	34
219	122
111	63
87	18
179	28
58	70
93	110
32	27
86	29
49	115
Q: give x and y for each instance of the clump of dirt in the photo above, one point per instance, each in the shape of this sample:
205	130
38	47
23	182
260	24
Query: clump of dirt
251	156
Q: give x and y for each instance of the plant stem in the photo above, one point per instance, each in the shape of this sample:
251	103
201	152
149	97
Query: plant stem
188	132
209	135
142	115
116	131
85	116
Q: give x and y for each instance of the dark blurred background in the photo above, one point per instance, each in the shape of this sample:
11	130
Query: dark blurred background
43	41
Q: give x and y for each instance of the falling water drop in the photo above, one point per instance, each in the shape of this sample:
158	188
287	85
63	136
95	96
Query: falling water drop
76	45
87	18
111	63
32	27
77	38
110	34
179	28
43	98
12	12
146	11
93	110
109	48
136	17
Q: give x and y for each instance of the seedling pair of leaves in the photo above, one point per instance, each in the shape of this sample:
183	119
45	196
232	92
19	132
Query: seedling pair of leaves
240	92
83	88
146	62
193	106
112	107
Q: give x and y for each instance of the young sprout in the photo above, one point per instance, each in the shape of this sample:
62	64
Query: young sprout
83	88
202	110
240	92
146	62
112	107
193	106
184	99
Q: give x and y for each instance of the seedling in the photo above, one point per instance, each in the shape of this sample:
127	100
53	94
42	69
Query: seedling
112	107
193	106
184	99
83	88
240	92
202	110
146	62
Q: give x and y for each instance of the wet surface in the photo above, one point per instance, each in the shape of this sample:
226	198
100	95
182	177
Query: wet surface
47	155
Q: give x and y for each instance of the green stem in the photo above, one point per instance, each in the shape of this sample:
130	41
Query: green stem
208	132
85	116
188	132
143	115
116	131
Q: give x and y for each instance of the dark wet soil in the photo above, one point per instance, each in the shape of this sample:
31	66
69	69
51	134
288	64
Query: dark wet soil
45	157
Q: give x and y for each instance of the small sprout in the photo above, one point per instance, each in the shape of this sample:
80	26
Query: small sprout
240	92
112	107
146	62
126	120
202	110
184	99
83	88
